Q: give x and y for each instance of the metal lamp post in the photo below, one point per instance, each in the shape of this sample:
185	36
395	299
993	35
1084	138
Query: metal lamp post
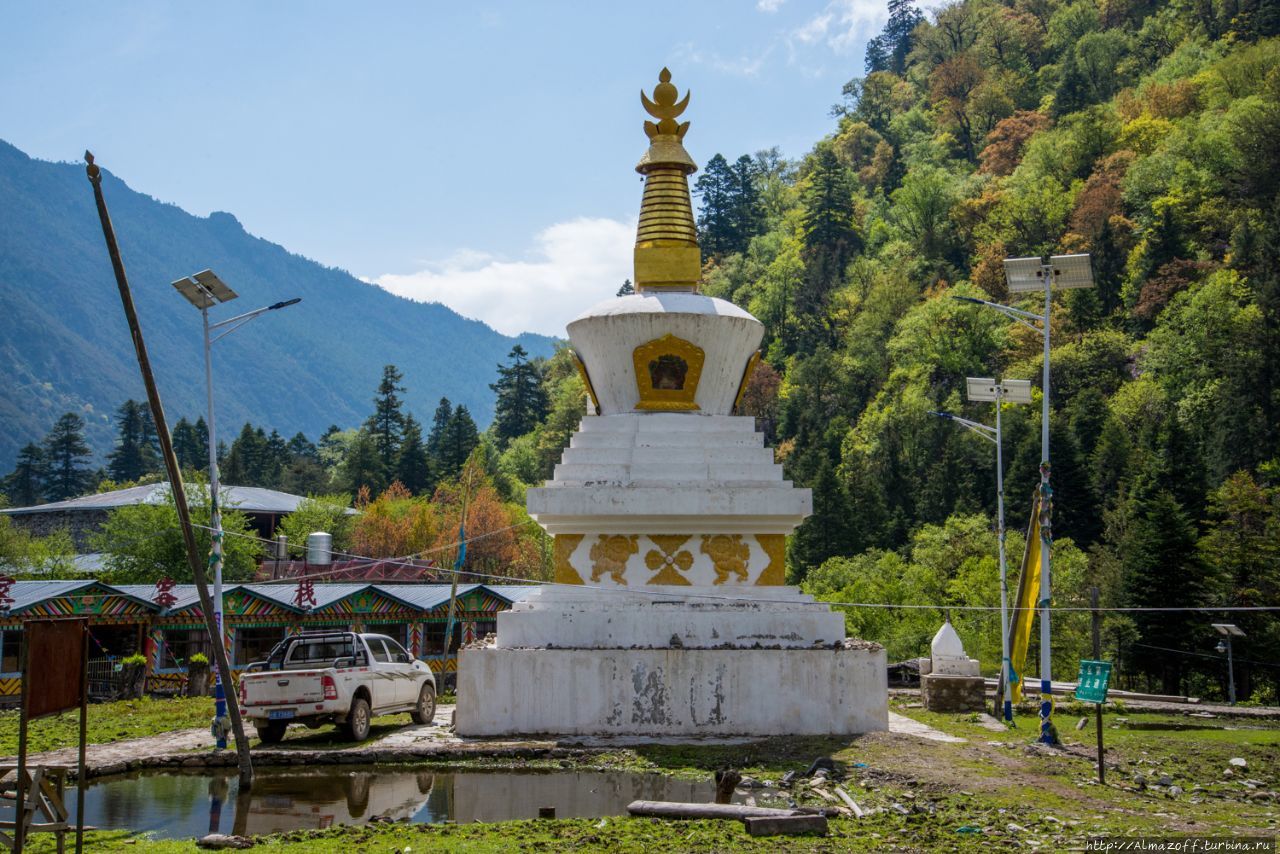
204	290
1025	275
1010	391
1229	631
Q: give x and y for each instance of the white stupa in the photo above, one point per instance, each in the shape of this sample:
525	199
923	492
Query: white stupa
671	615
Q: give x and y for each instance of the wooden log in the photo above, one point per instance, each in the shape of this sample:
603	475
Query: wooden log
677	809
853	805
786	825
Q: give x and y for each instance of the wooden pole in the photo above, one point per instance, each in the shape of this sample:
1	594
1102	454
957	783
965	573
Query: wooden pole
20	802
1097	656
175	474
457	568
81	782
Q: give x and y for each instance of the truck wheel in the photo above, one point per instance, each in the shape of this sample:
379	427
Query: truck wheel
271	732
425	711
357	726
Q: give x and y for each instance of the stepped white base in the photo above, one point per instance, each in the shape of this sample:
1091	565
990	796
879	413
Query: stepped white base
671	692
576	617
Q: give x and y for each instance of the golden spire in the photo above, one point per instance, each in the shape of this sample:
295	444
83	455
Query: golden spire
667	255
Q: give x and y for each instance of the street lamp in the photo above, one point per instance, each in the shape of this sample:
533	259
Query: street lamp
204	290
1228	631
1011	391
1026	275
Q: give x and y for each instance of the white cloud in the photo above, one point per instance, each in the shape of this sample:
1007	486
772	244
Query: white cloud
743	66
769	5
575	265
841	25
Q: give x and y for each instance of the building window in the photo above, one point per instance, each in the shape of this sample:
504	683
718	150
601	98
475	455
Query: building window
254	644
433	638
399	632
10	648
180	644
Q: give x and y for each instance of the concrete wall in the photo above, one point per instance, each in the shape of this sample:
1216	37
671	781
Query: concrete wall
672	692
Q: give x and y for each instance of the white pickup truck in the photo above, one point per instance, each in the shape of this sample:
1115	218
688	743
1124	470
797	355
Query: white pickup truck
343	678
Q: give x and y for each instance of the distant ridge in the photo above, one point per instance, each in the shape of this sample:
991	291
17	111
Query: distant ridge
64	344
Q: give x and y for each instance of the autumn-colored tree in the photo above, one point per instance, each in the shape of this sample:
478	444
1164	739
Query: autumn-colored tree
1003	150
395	524
951	85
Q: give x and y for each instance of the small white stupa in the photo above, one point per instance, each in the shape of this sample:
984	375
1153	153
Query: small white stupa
671	614
952	682
948	655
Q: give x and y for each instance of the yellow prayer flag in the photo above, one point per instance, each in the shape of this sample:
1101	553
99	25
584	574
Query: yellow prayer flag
1025	603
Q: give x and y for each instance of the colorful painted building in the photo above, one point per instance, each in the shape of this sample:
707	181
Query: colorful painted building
128	618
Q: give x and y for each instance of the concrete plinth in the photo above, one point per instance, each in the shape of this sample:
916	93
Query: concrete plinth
943	693
672	692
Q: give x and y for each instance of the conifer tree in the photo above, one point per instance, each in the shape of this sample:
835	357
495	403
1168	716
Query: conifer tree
386	425
136	452
413	469
459	439
435	438
191	451
66	459
627	288
522	402
24	486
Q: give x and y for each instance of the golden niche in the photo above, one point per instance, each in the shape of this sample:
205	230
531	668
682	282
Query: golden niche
667	374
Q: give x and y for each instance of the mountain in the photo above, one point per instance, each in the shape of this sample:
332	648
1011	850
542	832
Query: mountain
64	343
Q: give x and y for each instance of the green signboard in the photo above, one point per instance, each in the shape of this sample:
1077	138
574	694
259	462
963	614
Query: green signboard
1092	685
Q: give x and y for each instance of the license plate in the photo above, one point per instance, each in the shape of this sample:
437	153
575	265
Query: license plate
280	714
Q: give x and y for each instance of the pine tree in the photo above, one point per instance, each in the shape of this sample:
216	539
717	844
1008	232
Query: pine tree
458	441
191	449
386	425
522	401
830	241
66	456
436	438
24	486
714	188
362	467
136	451
826	533
627	288
413	468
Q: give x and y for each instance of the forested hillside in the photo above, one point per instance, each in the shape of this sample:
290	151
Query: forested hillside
64	345
1144	134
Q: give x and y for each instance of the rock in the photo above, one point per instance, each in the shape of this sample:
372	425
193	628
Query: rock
221	840
900	809
1165	780
1082	723
1139	781
1015	828
789	778
866	783
1238	762
1228	773
1174	791
750	783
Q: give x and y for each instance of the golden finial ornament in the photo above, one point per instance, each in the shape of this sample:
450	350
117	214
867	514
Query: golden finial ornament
667	257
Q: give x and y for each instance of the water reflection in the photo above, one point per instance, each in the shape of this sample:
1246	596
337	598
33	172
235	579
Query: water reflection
180	805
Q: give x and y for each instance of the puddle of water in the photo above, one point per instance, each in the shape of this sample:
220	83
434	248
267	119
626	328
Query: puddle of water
184	805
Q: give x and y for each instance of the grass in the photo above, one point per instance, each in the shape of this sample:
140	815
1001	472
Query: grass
107	722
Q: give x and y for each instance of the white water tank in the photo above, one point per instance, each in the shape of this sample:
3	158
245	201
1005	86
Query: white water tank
319	548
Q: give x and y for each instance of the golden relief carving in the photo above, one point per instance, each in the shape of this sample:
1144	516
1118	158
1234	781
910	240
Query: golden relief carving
565	545
669	559
729	554
746	378
586	381
775	546
667	373
610	554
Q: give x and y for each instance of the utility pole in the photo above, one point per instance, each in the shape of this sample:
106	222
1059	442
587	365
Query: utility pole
171	465
1097	656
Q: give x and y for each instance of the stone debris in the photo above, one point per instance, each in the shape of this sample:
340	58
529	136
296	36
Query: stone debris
1238	762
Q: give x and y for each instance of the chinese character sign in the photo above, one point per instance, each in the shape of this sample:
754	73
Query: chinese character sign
1095	677
305	596
164	592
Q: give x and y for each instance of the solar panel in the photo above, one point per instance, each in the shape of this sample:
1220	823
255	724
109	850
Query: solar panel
219	288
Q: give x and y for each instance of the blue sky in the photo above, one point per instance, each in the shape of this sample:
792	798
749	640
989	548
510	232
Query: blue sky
475	153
